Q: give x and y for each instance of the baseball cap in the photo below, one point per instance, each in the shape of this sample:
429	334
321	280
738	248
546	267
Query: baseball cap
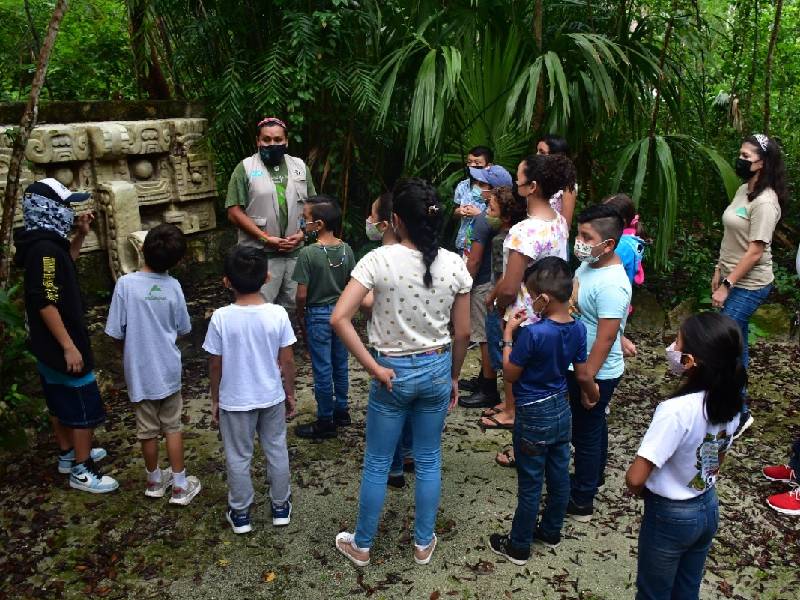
55	190
495	175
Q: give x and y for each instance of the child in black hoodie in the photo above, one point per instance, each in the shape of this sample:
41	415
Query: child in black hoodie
59	338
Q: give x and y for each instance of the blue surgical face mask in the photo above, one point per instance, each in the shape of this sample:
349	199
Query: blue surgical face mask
477	194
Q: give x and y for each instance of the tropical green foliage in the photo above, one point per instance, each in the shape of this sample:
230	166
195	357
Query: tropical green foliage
653	95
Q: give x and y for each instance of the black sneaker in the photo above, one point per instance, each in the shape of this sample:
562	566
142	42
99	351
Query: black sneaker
396	481
582	514
745	420
316	430
470	385
341	418
501	544
549	540
485	397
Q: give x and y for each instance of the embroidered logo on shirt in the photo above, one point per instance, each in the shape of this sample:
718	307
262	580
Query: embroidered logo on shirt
257	173
742	212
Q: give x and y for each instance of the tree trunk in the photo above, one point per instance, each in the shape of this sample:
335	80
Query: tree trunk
773	41
25	127
149	74
661	61
751	80
538	12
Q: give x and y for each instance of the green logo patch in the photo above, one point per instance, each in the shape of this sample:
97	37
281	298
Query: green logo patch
742	212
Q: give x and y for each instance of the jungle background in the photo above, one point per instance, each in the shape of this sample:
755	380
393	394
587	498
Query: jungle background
654	97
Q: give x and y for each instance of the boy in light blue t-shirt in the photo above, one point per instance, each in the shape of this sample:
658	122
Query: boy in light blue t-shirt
604	295
148	313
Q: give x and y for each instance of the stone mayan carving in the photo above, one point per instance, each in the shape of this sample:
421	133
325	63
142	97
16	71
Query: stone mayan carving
140	173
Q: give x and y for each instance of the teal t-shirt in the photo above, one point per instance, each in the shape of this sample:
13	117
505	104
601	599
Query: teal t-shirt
604	293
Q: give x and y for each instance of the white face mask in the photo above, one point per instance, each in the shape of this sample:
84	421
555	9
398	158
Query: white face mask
373	233
583	251
538	313
674	360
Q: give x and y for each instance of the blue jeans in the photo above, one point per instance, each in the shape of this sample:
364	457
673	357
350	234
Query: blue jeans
494	335
328	362
740	306
589	438
403	450
541	450
673	544
421	392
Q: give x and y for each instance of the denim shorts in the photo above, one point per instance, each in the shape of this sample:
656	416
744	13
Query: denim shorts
77	407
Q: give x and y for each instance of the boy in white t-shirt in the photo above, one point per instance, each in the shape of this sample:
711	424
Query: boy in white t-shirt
148	312
252	389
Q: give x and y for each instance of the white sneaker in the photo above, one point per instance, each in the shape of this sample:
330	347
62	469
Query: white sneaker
85	477
157	489
185	495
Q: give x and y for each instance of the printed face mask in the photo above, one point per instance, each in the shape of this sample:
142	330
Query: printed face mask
39	212
538	313
674	360
494	222
743	167
373	233
272	155
583	251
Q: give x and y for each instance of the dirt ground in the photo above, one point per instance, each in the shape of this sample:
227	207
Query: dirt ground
59	543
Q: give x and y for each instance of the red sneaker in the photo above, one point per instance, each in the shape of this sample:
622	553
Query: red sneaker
787	503
779	473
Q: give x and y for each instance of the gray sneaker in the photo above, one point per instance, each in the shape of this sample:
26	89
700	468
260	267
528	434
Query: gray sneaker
158	489
184	496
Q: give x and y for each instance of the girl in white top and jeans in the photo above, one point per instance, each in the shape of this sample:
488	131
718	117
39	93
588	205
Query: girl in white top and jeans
419	289
678	462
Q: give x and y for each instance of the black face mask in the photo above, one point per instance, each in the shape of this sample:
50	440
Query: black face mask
743	169
272	155
517	196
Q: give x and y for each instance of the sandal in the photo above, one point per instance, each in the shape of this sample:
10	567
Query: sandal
510	461
491	411
497	424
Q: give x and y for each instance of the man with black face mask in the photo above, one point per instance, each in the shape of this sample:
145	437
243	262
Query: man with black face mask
265	201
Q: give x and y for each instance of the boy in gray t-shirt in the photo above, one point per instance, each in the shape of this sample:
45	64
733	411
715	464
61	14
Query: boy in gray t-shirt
148	313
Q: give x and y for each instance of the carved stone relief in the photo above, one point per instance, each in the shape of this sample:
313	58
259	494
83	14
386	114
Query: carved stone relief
141	173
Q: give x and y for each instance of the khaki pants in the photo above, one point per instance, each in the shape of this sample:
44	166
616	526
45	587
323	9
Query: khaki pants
477	312
281	289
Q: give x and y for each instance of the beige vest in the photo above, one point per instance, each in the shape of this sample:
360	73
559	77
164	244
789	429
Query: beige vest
262	205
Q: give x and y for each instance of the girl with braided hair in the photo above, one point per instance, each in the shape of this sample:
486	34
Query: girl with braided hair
419	290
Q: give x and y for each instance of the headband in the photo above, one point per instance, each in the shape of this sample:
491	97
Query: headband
762	140
273	120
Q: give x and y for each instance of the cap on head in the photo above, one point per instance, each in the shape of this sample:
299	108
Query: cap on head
495	176
55	190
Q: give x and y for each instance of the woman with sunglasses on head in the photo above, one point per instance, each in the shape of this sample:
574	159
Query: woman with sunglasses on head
743	276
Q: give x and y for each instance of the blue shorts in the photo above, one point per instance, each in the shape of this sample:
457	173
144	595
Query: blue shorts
78	407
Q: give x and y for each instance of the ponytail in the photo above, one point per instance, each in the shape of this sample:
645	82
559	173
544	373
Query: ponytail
417	204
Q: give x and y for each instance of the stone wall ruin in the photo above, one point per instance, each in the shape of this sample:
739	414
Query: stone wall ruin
140	174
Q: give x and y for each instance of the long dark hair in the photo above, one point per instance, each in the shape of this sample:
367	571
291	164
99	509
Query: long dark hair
551	172
555	144
715	342
384	208
417	204
773	173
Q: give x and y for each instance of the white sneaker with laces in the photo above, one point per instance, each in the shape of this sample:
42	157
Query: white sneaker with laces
84	477
184	496
157	489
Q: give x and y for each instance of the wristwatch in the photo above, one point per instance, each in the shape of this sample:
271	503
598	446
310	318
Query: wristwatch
505	344
727	283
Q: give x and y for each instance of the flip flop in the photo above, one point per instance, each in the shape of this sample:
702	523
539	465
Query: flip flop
491	411
497	424
512	463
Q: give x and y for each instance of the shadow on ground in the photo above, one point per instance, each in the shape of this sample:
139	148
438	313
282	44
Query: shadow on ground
58	543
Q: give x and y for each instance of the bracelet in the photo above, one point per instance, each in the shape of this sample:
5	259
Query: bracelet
505	344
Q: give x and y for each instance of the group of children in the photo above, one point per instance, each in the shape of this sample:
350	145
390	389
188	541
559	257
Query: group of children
557	336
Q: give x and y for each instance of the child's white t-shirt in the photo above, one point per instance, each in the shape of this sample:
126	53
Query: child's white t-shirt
684	447
408	317
249	338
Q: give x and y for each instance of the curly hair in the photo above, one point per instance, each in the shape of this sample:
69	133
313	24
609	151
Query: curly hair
551	172
417	205
773	173
512	206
